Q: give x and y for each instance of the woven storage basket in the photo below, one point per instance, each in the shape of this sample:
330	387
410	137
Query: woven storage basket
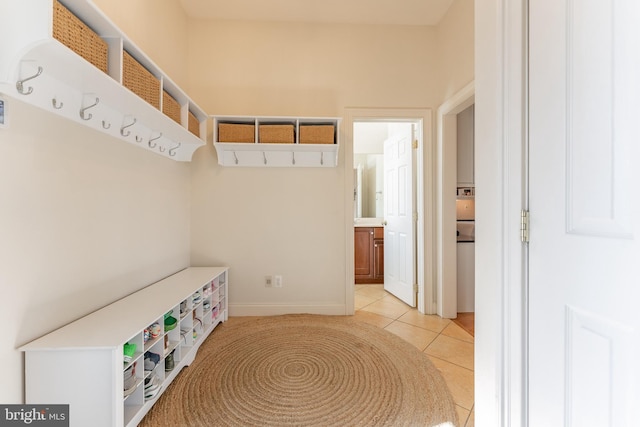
276	134
236	132
317	134
77	36
194	124
170	107
139	80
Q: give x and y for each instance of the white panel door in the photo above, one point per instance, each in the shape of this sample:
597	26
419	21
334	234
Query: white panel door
399	231
584	289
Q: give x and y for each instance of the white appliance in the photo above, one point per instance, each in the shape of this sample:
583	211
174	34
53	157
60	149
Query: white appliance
466	231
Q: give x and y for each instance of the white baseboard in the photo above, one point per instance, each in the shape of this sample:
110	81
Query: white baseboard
274	310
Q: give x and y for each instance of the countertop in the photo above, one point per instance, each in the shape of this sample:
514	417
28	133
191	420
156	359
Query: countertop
368	222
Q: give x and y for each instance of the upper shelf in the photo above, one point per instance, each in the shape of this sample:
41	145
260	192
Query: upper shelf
244	141
38	69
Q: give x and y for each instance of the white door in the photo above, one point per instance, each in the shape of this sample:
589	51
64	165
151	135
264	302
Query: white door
584	252
399	231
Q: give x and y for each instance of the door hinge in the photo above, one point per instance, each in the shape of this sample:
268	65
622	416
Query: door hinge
524	226
414	145
415	287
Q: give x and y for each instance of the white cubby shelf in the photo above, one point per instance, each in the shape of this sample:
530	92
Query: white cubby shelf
83	364
255	153
38	69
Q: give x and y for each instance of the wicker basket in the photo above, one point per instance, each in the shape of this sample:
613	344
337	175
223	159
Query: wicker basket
236	132
77	36
317	134
139	80
170	107
276	134
194	124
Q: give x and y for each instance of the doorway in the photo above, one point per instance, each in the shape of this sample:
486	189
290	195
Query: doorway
447	183
423	218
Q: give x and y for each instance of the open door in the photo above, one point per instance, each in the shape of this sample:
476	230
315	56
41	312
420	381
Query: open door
399	232
585	241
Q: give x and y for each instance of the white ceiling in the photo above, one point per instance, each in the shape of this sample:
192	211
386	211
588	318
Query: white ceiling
396	12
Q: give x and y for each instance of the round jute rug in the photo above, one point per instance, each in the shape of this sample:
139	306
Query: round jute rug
305	370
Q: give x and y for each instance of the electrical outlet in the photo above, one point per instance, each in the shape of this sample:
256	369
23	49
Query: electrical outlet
268	281
277	281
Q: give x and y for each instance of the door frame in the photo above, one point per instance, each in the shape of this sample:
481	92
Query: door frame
425	226
501	331
446	184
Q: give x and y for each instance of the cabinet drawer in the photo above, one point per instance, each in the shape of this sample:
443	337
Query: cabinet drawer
378	233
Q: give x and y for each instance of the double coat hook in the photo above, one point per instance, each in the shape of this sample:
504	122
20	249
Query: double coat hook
20	83
83	110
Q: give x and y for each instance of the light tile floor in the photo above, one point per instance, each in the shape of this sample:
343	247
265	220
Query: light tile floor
449	347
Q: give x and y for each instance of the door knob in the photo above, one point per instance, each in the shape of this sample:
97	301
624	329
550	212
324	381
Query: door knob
384	223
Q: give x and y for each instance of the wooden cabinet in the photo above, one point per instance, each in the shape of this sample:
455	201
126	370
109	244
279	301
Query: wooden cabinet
369	255
111	366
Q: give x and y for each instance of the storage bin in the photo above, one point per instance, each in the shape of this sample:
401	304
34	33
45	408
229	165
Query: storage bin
170	107
194	124
236	132
139	80
317	134
276	134
69	30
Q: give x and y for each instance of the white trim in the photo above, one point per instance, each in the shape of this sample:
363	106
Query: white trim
424	201
500	137
446	182
278	309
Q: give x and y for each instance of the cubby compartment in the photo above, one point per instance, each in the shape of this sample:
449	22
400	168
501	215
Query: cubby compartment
114	378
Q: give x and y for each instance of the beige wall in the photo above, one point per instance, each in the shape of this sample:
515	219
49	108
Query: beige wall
87	219
455	44
292	221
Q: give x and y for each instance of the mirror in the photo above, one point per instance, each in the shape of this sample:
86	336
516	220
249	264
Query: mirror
368	168
369	181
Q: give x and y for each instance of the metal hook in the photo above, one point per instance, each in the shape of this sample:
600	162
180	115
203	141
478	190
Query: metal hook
82	110
56	105
106	125
172	150
236	157
161	148
264	156
138	139
127	126
153	139
322	157
293	158
20	83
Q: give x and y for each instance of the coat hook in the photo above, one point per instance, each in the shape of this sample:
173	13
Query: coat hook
161	148
138	139
106	125
172	150
153	139
122	132
293	157
322	157
56	105
20	83
82	110
264	156
236	157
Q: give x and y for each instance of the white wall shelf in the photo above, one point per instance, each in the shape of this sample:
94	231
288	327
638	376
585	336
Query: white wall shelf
257	154
67	83
82	364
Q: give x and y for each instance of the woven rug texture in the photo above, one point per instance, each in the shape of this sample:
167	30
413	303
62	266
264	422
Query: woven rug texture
305	370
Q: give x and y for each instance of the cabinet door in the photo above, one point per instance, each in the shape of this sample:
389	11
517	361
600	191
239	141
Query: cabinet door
363	248
465	155
378	260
